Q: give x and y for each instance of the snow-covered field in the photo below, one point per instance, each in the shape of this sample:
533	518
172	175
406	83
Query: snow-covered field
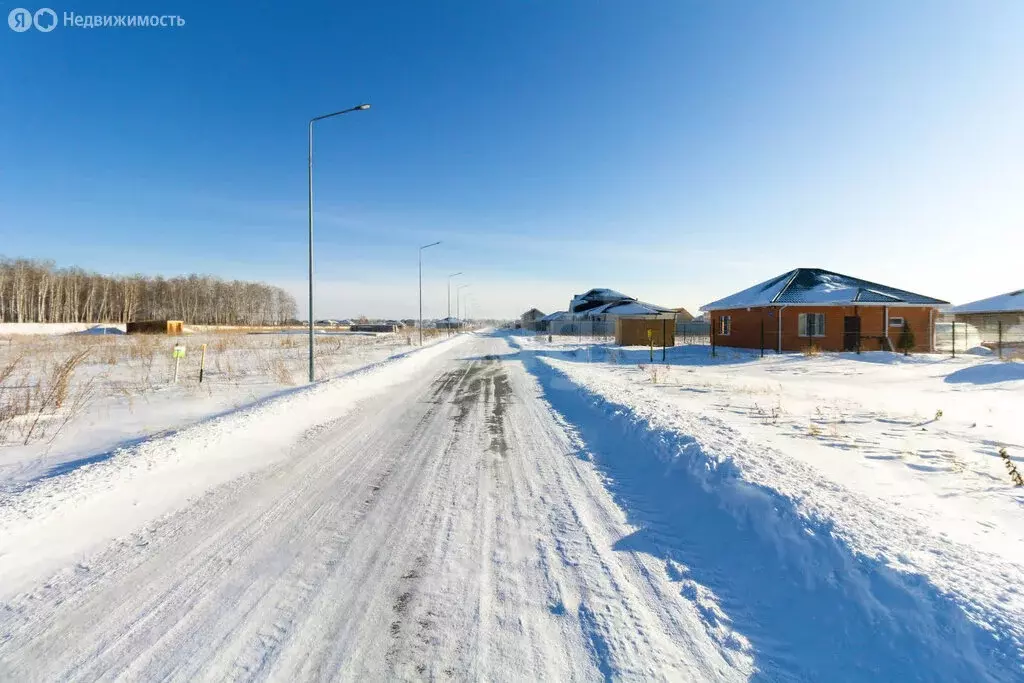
497	507
120	388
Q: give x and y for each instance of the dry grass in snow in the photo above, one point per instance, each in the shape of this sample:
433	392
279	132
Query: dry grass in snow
71	394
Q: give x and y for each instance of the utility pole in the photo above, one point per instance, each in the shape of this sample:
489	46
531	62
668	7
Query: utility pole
425	246
361	107
450	301
458	308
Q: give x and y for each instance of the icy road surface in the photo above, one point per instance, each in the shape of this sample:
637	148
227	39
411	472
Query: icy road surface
442	527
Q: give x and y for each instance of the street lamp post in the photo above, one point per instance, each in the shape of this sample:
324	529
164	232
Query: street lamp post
425	246
458	308
361	107
450	300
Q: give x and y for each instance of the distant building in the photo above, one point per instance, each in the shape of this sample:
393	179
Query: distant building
683	315
606	305
373	327
449	323
595	298
813	307
171	327
604	312
998	318
530	320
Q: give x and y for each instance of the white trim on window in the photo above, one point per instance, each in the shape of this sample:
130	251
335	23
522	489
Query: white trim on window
811	325
724	325
896	321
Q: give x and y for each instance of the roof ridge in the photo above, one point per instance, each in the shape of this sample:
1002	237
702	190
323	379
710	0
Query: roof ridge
792	276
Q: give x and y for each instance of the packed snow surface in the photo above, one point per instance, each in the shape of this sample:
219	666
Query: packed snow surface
495	507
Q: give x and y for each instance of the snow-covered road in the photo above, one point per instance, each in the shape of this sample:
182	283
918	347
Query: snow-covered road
441	527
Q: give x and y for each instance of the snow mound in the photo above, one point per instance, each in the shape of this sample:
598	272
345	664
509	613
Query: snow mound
822	582
102	330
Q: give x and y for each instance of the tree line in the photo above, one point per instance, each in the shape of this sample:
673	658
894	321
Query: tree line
39	292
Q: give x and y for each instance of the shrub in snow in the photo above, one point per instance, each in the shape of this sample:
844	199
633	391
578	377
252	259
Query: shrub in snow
1015	475
906	340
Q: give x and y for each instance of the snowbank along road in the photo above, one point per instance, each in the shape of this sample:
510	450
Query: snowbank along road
470	511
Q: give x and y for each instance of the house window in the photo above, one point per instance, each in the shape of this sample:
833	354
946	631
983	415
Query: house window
812	324
725	325
896	322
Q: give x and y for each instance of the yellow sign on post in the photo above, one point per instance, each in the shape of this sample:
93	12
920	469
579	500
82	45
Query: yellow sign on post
178	353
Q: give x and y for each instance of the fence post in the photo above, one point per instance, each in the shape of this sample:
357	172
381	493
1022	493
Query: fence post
999	346
762	337
713	354
202	364
954	339
664	337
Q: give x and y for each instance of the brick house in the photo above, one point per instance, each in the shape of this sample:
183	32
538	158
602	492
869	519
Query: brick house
811	307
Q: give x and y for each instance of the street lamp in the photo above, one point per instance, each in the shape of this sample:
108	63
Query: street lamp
450	300
425	246
457	307
361	107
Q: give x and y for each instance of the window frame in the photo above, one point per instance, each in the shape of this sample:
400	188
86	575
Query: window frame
724	325
803	327
901	323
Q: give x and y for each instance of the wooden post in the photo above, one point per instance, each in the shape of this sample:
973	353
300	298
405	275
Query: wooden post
999	345
762	335
954	338
650	342
202	364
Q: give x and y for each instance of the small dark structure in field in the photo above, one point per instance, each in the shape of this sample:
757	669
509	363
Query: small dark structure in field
373	327
170	327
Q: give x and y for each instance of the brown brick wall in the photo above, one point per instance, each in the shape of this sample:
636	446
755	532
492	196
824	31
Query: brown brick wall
746	327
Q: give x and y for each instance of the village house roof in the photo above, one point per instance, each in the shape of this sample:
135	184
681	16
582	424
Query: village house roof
815	286
621	308
593	298
1011	302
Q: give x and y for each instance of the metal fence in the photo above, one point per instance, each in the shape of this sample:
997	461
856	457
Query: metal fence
693	333
583	329
686	333
1003	338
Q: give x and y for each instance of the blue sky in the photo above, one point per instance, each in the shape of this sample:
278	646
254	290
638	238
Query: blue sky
678	151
